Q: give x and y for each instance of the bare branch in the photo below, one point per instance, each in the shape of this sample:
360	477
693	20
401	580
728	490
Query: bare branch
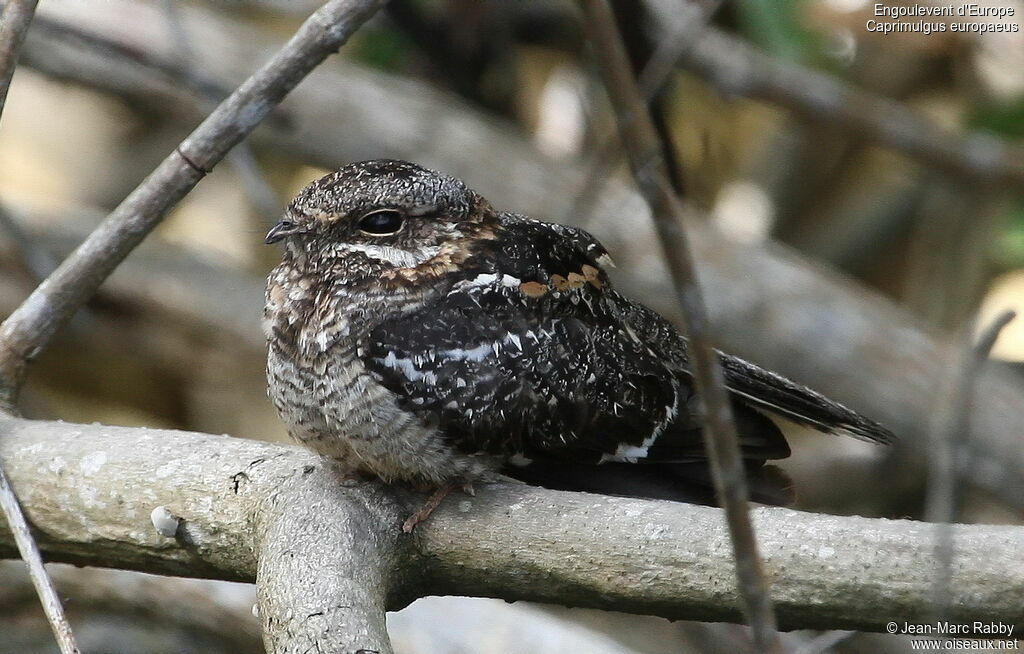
510	541
952	416
38	261
345	563
29	551
51	305
640	140
15	16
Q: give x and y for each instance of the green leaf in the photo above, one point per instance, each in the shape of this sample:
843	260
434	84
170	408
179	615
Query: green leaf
1006	119
776	26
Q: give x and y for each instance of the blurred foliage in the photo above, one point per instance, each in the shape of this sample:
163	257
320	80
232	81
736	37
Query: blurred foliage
1005	119
381	47
778	27
1009	246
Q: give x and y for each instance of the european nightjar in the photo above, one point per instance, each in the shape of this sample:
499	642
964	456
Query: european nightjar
418	334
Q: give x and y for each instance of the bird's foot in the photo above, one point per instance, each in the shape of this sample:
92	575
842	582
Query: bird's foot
433	502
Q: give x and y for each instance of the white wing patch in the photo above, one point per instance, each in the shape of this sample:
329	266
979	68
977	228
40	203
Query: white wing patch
626	453
485	280
478	353
408	368
411	367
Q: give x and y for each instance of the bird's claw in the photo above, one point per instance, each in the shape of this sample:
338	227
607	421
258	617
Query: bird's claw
432	503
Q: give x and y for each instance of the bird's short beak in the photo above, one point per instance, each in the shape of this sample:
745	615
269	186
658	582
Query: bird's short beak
281	230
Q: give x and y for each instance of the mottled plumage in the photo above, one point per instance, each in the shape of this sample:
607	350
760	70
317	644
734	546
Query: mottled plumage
417	334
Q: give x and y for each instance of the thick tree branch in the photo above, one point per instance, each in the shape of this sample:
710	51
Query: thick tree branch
51	305
510	541
641	142
318	545
324	575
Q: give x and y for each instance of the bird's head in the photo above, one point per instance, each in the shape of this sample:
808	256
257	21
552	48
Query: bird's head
385	218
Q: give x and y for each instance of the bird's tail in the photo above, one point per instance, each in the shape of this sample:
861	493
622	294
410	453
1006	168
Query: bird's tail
772	393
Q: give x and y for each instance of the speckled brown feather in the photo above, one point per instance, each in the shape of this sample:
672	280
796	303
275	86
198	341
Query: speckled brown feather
468	341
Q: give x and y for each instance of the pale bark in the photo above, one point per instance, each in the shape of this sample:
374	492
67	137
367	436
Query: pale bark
89	491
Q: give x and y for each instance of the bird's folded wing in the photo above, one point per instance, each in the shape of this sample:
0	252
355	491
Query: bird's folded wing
507	373
526	377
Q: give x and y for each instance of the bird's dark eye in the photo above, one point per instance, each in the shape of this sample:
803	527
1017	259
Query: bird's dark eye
381	223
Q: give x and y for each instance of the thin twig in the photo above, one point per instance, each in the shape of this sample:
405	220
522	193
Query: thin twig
40	579
14	22
50	306
652	80
641	143
241	157
949	435
38	262
824	642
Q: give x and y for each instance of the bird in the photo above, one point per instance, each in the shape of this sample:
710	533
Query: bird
416	334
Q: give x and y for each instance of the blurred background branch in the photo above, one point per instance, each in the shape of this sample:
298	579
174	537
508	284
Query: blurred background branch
15	17
735	67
